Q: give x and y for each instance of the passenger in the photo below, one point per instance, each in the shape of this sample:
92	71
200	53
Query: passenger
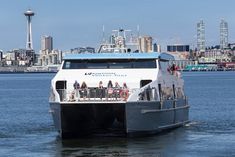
125	92
117	85
124	86
72	96
117	90
76	87
110	84
101	84
84	90
148	92
110	89
101	90
174	69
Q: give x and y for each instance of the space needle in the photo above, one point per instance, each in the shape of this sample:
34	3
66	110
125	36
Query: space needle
29	43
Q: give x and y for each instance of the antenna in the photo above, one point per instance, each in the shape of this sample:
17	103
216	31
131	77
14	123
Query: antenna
138	30
103	36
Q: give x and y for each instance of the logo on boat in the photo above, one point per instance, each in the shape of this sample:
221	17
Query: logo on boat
105	74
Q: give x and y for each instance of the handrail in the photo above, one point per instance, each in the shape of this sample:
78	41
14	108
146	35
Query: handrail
106	94
93	94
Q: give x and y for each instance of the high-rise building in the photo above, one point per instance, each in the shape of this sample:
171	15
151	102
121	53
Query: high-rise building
201	36
47	43
181	52
178	48
223	34
156	47
145	44
49	56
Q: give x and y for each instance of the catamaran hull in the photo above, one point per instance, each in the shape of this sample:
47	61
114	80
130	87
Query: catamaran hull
145	118
118	119
76	120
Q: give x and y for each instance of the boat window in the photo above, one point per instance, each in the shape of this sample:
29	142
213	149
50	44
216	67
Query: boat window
60	88
144	64
144	82
96	65
73	65
110	64
120	64
61	85
66	65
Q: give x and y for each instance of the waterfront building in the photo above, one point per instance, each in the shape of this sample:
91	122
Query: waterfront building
178	48
216	55
145	44
78	50
181	52
201	36
182	64
48	55
10	56
156	47
20	57
46	43
223	34
53	57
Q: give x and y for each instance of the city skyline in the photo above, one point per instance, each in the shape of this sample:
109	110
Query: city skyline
80	23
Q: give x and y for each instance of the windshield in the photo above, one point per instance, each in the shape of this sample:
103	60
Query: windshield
110	64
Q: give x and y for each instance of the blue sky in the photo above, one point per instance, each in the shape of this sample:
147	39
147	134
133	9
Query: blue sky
74	23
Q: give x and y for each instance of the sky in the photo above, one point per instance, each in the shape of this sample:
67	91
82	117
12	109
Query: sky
79	23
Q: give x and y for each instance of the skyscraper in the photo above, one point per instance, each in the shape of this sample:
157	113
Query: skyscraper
223	34
47	43
156	47
201	36
145	44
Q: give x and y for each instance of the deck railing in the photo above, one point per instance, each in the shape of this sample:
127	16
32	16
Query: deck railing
93	94
115	94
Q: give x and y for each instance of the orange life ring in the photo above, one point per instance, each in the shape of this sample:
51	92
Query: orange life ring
124	94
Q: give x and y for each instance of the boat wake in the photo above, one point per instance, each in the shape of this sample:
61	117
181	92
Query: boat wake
192	123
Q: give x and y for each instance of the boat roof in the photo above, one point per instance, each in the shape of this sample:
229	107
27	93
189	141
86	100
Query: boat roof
152	55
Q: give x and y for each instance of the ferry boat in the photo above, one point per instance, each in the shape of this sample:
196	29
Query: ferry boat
117	92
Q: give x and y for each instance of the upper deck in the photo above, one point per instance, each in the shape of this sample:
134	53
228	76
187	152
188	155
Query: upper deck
113	56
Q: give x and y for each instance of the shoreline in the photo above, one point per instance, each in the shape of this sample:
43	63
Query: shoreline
208	70
26	72
33	72
15	69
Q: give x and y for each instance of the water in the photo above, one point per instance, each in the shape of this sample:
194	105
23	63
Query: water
26	127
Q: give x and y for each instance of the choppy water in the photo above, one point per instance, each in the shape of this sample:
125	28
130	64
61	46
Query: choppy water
26	127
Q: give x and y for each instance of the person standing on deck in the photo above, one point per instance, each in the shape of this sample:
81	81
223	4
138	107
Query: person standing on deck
84	90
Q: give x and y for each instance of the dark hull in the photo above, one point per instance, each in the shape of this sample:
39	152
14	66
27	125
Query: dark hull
118	119
147	118
76	120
